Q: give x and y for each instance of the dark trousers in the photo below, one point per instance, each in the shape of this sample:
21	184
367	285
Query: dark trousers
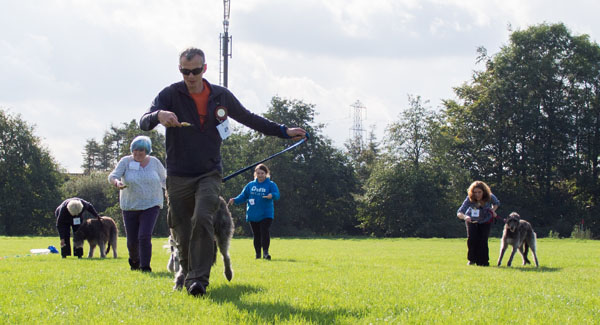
193	203
262	237
477	243
138	229
64	232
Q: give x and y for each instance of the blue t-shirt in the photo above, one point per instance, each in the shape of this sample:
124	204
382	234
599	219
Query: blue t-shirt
257	207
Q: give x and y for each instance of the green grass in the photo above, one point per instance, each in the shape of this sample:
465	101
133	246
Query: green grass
321	281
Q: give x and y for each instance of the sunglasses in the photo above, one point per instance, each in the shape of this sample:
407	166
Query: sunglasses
195	72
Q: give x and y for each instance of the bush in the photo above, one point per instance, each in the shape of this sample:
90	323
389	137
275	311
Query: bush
581	233
553	234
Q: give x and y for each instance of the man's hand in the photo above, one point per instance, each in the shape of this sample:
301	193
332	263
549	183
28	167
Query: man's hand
270	196
168	119
296	133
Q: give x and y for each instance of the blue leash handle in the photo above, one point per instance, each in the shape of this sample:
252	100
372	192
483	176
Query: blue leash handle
268	158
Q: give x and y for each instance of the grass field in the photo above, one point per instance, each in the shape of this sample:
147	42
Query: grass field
322	281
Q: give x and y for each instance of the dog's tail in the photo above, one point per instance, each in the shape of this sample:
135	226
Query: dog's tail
113	233
527	244
533	237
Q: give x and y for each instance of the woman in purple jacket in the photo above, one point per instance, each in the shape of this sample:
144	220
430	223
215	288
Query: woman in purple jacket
478	210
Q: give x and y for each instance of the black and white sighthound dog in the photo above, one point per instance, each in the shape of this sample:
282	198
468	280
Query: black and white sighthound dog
521	236
223	225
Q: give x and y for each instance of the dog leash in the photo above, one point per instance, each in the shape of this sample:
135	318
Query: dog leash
268	158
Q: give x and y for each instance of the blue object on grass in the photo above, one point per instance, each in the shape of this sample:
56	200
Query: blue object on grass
53	249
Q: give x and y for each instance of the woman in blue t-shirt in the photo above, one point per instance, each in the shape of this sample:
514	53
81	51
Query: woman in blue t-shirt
259	196
478	211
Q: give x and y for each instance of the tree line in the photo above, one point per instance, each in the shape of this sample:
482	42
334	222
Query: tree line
528	124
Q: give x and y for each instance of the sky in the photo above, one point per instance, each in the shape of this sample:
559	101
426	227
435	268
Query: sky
74	68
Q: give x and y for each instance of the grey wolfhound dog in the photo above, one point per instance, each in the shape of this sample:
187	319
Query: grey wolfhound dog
223	225
521	236
102	232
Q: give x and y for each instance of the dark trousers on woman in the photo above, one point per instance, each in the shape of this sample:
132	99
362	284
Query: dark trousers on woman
477	243
138	229
262	236
64	232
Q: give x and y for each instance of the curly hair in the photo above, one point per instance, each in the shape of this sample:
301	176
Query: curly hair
487	192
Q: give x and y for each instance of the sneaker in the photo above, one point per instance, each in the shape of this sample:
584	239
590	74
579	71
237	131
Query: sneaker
267	257
146	269
257	256
196	289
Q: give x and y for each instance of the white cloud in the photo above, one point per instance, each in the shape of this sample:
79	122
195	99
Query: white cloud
102	62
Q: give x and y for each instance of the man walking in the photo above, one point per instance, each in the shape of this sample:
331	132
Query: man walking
195	114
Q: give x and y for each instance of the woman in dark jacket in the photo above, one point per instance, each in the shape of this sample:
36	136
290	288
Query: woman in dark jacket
69	215
478	210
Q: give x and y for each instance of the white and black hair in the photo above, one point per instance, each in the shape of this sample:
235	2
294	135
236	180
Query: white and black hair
75	207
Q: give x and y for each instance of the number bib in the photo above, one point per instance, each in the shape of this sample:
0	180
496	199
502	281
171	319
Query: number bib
224	129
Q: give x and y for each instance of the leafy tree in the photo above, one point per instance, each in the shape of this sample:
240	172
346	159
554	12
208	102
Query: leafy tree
104	155
92	157
402	201
528	124
100	159
93	188
407	193
29	180
408	138
363	156
316	180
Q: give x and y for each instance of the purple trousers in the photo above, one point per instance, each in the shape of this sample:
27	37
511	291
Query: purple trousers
138	229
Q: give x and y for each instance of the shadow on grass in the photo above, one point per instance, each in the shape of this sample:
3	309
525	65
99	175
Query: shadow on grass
160	274
277	311
532	269
275	260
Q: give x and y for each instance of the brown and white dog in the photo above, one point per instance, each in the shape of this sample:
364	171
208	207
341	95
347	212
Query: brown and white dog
521	236
99	232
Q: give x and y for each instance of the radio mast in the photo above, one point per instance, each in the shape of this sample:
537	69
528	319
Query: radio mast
225	46
358	112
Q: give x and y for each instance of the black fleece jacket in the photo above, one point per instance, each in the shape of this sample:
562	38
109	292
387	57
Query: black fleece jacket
64	217
196	150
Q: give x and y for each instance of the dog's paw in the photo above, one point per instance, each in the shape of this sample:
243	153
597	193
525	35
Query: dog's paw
228	274
179	281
